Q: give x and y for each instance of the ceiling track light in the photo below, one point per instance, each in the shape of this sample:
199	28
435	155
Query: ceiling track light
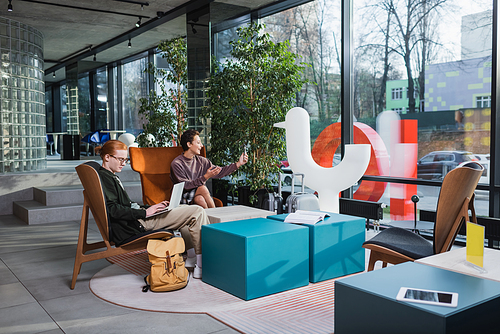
54	74
129	43
94	57
9	7
90	9
138	24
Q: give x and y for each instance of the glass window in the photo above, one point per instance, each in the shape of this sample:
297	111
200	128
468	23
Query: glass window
449	73
64	108
101	104
135	86
428	158
444	55
483	101
49	110
397	93
83	105
313	30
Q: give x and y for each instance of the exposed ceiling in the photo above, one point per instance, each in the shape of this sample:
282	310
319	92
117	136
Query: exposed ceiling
76	30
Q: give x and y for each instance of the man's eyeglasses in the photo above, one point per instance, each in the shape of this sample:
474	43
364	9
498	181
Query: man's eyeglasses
121	160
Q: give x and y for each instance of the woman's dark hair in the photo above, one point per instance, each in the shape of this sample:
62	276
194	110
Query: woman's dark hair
110	147
187	137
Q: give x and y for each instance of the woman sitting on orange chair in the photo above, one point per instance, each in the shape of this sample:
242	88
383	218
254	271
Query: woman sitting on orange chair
195	170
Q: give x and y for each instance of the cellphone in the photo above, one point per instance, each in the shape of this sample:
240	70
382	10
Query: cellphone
431	297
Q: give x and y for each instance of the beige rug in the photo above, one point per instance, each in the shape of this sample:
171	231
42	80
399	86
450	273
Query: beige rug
303	310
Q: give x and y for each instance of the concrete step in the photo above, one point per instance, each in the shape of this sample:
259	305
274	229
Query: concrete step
60	204
63	195
33	212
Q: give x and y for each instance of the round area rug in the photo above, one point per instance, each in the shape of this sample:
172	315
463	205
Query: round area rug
308	309
118	286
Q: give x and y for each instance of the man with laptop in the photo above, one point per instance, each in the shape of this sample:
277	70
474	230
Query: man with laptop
128	218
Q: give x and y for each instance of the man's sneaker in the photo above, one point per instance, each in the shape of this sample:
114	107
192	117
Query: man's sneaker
197	272
190	262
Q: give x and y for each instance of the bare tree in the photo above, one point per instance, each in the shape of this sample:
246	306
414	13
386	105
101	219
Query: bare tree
426	50
309	29
411	26
409	30
368	52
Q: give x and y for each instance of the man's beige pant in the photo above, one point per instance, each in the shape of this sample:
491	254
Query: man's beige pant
190	216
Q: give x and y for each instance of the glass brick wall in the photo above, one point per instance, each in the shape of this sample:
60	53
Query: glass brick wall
22	114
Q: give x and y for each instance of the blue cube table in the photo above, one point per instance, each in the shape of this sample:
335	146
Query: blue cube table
335	246
255	257
366	303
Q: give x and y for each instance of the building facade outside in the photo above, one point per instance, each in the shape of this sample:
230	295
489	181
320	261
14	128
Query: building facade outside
397	96
459	84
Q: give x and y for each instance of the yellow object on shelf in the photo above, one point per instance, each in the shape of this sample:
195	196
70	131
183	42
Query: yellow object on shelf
475	244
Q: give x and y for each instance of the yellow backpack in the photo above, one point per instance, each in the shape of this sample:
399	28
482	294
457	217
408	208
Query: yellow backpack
168	271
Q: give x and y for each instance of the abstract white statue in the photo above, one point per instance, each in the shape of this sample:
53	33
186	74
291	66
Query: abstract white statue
127	138
328	182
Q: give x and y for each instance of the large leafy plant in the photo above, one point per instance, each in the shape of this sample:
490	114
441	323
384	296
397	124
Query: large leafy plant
249	92
165	110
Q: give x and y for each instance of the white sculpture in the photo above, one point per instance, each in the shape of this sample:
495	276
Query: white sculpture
127	138
328	182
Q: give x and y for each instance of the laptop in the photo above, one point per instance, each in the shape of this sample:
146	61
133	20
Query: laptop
175	199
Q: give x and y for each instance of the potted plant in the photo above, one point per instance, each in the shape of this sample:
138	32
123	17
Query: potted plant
249	92
165	111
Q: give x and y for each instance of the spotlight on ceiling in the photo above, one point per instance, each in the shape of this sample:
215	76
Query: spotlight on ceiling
9	7
138	24
193	29
94	57
129	43
53	74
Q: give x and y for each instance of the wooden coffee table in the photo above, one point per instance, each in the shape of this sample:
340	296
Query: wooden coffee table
454	260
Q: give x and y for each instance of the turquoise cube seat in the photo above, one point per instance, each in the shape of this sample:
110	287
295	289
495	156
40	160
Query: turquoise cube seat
335	246
255	257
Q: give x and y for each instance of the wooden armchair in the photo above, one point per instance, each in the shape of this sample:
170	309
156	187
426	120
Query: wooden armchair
396	245
95	201
153	164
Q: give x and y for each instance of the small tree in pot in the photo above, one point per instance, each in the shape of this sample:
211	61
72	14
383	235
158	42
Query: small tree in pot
250	92
165	111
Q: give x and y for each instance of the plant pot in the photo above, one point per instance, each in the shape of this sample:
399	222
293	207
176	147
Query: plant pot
244	194
220	190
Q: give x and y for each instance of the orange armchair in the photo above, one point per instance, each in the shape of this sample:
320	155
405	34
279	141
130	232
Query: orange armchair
153	164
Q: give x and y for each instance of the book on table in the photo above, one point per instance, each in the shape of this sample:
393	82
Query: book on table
306	217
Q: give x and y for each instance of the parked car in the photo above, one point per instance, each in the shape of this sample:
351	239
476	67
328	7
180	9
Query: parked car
436	165
481	157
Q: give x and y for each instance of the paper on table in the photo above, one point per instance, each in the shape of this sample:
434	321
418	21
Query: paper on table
475	244
306	217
